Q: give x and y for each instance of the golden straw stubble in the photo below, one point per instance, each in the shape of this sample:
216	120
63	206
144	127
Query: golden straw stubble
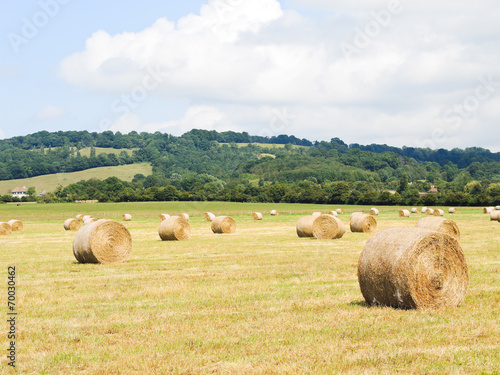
413	268
175	228
102	241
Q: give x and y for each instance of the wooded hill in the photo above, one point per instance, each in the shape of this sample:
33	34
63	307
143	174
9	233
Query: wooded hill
207	165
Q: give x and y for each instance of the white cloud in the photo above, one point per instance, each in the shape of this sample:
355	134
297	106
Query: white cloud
50	113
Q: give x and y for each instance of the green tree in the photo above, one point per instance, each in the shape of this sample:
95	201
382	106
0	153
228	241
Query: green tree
403	183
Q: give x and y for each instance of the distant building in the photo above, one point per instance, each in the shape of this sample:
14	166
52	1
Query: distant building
20	192
433	189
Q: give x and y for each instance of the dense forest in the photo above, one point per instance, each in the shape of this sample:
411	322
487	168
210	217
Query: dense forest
230	166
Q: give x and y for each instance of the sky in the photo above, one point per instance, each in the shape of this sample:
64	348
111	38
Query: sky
399	72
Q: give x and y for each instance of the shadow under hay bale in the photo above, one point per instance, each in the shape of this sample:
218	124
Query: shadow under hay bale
103	241
439	224
362	223
72	224
223	225
175	228
413	268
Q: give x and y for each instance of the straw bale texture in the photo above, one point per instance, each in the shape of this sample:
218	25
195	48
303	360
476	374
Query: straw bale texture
424	210
79	217
333	213
429	211
223	225
305	226
452	210
487	210
414	210
86	217
495	215
361	222
327	227
175	228
164	217
5	229
256	215
339	211
497	208
274	213
103	241
16	225
127	217
374	211
439	224
72	224
316	214
209	216
185	216
438	212
413	268
404	213
89	220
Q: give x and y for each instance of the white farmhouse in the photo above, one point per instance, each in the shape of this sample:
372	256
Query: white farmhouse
20	192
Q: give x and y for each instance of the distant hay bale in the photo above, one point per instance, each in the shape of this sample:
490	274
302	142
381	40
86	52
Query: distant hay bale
175	228
103	241
429	211
487	210
497	208
495	215
339	211
438	212
209	216
452	210
374	211
89	220
256	216
185	216
16	225
404	213
327	227
305	226
316	214
126	217
413	268
79	217
5	229
223	225
333	213
274	213
362	223
414	210
439	224
424	210
86	217
72	224
164	217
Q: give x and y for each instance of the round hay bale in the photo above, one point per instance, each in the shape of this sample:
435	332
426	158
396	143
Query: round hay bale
429	211
86	217
452	210
184	216
126	217
223	225
414	210
316	214
362	223
327	227
256	216
487	210
374	211
16	225
305	226
164	217
103	241
495	215
89	220
72	224
339	211
424	210
497	208
209	216
404	213
5	229
79	217
439	224
274	213
333	213
438	212
175	228
413	268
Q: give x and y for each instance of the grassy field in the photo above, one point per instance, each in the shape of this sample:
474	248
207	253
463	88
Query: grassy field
51	181
260	301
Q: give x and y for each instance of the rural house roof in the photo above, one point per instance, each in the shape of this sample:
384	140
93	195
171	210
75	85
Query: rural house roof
20	190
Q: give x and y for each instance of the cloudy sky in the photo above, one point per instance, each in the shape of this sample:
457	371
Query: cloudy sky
401	72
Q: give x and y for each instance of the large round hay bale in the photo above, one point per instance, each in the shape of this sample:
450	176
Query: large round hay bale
429	211
79	217
164	217
89	220
103	241
256	216
223	225
72	224
495	215
452	210
327	227
487	210
126	217
175	228
404	213
438	212
339	211
439	224
316	214
16	225
5	229
209	216
424	210
413	268
184	216
305	226
274	213
414	210
333	213
362	223
497	208
374	211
